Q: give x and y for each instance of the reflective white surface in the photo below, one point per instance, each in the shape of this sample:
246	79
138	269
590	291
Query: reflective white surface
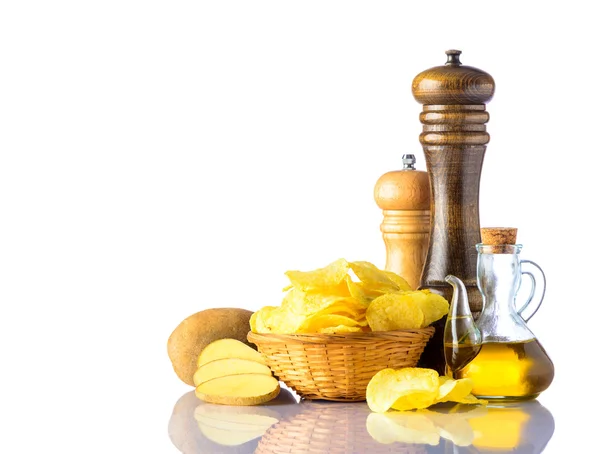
287	425
158	158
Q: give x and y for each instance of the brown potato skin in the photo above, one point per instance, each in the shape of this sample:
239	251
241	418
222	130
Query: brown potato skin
200	329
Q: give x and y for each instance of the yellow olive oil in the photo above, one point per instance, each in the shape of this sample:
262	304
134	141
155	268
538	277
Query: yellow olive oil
507	371
459	355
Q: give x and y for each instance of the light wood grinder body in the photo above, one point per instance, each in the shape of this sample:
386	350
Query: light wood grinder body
403	195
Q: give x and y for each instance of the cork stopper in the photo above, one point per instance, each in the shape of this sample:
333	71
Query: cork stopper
499	237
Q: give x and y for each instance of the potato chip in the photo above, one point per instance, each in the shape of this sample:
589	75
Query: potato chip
271	319
353	310
403	428
315	303
340	329
451	390
309	303
398	280
364	323
414	388
293	301
394	311
314	323
358	292
257	320
361	292
285	322
340	289
415	400
389	385
373	278
434	307
330	276
471	400
457	391
381	392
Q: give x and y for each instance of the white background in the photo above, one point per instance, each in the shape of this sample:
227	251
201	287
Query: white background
162	157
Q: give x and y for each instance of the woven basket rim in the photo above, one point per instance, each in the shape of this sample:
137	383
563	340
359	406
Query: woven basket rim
318	338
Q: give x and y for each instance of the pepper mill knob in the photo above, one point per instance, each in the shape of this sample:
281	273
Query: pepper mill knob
453	57
408	161
403	195
453	83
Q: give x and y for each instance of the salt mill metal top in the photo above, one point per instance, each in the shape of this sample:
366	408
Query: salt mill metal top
454	141
403	195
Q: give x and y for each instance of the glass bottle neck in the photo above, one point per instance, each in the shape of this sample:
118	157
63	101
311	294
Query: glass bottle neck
498	279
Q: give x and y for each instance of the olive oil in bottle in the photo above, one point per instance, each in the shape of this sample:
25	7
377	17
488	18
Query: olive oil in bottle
458	356
507	371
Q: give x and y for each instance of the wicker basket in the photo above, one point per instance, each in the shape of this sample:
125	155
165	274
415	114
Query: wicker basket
338	367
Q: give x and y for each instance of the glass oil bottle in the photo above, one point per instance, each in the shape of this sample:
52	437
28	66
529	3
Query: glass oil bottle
498	353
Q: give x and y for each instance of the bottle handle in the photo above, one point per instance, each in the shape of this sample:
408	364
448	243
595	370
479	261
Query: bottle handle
532	293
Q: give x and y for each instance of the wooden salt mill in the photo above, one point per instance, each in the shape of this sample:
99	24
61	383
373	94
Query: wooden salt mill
403	195
454	140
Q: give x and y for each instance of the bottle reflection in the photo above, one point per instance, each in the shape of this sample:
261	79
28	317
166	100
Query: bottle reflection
520	427
339	428
517	428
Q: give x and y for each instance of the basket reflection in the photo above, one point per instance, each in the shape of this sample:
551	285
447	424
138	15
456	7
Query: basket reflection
322	427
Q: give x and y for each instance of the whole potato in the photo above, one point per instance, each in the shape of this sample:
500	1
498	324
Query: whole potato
200	329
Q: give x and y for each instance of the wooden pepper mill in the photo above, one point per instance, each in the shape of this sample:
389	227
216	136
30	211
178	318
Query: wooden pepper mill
403	195
454	140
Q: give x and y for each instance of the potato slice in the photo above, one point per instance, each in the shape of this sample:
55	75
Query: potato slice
228	348
228	366
241	389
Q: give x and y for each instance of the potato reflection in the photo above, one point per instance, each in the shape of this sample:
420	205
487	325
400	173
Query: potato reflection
198	427
234	426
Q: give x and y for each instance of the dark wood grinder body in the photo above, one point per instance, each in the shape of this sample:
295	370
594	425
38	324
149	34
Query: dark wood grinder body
454	140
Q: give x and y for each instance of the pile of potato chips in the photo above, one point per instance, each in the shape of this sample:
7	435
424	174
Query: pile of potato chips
348	297
414	388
